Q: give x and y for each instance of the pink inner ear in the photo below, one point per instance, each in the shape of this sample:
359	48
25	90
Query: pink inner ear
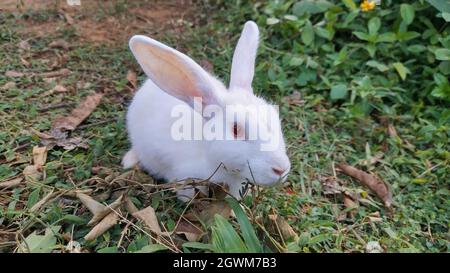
168	71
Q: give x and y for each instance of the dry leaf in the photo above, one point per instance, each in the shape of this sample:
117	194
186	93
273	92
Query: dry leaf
192	232
215	207
132	78
24	45
106	223
11	183
60	43
93	206
59	89
8	85
57	73
32	173
107	209
379	187
283	227
148	216
130	206
77	115
39	156
14	74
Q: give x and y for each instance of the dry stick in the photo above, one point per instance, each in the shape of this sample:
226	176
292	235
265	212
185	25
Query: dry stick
122	234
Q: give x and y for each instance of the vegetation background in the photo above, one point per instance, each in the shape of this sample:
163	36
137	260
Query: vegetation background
363	83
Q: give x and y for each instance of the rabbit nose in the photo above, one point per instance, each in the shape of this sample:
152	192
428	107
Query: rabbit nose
278	171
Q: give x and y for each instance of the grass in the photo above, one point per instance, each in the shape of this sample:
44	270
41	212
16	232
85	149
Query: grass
320	133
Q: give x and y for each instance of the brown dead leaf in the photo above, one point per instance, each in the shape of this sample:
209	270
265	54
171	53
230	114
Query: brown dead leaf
99	215
106	223
379	187
130	206
24	45
8	85
215	207
11	183
39	156
14	74
32	173
59	89
77	115
132	78
148	217
192	232
60	43
93	206
284	229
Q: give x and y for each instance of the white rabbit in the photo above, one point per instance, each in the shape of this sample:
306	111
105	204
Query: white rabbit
174	80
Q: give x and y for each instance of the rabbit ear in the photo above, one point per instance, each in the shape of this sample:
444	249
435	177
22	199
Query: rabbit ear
172	71
243	66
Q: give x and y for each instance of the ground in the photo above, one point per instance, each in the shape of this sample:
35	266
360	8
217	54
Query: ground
321	209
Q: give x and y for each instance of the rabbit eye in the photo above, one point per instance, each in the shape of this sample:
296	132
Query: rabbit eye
237	131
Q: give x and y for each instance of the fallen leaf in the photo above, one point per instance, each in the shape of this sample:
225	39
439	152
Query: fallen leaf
130	206
192	232
77	115
11	183
215	207
59	89
132	78
379	187
14	74
40	243
106	223
60	43
93	206
32	173
283	227
99	215
8	85
148	217
39	156
24	45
